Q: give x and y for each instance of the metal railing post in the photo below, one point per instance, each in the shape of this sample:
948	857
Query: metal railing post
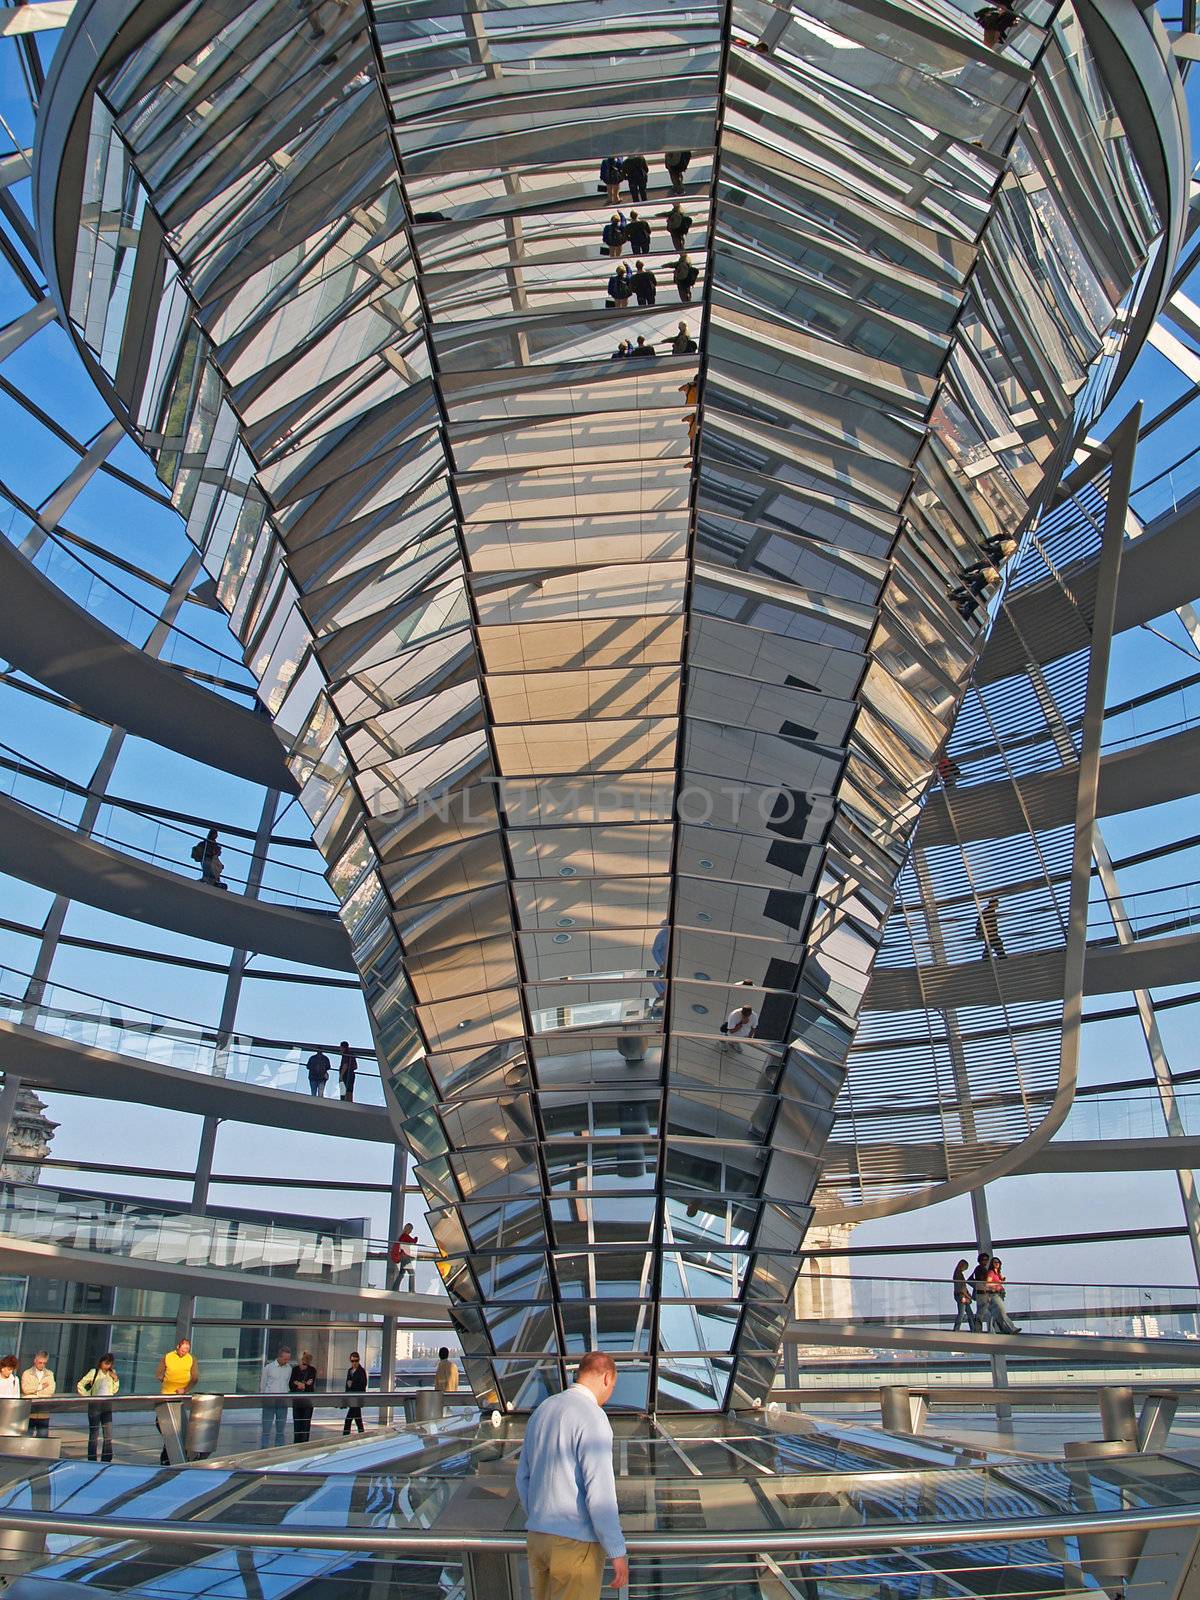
1117	1416
203	1426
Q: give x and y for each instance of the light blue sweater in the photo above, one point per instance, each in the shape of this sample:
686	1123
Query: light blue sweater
565	1477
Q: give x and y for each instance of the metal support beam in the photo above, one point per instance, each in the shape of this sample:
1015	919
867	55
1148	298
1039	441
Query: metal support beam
387	1356
1155	1419
1155	1048
225	1026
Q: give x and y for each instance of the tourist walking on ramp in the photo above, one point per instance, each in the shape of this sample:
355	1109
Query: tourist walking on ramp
403	1256
978	1281
356	1383
987	930
962	1297
208	854
998	1318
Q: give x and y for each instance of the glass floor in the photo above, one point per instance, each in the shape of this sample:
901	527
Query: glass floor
690	1475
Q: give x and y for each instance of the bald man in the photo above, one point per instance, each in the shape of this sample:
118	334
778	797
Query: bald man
565	1481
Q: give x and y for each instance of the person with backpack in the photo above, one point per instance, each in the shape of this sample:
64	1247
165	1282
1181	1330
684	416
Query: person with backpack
676	163
208	853
619	289
611	176
614	235
99	1383
685	275
681	342
677	223
319	1067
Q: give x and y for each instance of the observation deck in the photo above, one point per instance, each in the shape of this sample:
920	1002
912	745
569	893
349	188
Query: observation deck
736	1507
601	673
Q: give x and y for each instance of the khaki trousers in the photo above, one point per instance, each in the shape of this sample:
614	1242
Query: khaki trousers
564	1569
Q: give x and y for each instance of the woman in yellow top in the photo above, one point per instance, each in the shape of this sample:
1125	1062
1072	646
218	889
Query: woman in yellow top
99	1384
178	1372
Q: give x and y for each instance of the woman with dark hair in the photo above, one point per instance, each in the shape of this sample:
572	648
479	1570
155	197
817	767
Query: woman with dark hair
356	1383
998	1318
347	1070
100	1383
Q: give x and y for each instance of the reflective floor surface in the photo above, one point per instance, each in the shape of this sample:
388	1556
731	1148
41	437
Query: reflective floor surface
698	1476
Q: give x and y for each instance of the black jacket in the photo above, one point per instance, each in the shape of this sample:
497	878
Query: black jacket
356	1380
638	234
644	285
635	167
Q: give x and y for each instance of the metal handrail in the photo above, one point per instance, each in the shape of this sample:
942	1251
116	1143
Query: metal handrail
1031	1394
808	1541
328	1398
1028	1395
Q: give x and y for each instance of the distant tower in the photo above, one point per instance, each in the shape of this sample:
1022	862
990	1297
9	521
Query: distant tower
28	1139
